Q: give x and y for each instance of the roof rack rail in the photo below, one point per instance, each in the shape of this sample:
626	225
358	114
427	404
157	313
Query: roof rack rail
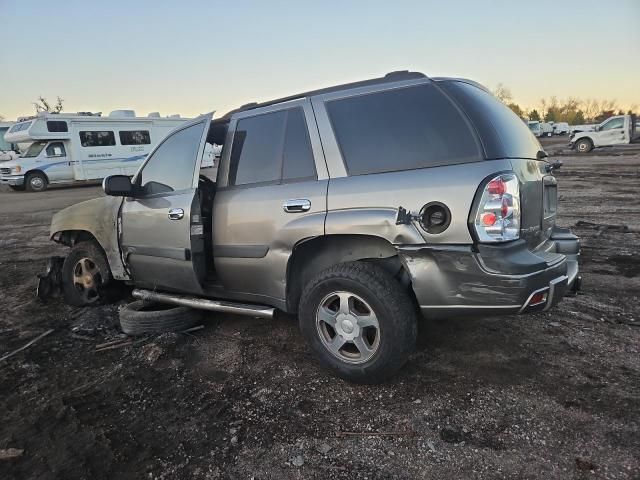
389	77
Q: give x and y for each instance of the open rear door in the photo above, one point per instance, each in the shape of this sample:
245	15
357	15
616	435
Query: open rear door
162	232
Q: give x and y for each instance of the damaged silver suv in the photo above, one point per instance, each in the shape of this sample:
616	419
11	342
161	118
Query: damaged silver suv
357	207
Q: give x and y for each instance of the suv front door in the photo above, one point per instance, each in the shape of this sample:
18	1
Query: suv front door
162	235
271	195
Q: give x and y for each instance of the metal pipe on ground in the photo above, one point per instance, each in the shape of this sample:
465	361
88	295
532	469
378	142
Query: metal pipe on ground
259	311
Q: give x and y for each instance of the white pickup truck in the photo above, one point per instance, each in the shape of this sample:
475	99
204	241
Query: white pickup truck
618	130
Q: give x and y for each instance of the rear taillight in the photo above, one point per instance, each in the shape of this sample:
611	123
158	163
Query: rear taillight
498	215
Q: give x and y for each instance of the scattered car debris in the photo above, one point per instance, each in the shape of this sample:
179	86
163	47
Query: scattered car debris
10	453
27	345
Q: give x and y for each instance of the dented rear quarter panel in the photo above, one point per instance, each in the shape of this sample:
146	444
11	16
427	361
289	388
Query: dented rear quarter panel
99	217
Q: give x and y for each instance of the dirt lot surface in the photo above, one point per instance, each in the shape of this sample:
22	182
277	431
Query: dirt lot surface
553	395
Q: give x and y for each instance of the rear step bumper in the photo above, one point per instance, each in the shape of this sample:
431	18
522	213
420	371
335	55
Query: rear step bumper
501	279
259	311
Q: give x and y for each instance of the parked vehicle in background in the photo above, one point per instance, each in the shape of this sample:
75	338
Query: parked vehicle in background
561	128
535	128
547	129
70	147
618	130
8	151
355	207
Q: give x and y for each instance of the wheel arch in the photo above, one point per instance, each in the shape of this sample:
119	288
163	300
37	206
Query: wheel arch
311	256
37	170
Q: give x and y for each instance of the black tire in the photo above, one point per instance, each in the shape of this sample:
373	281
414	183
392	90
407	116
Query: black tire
584	145
85	259
36	182
140	317
389	303
17	188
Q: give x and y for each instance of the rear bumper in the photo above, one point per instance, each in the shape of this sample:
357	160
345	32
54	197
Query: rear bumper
16	180
498	279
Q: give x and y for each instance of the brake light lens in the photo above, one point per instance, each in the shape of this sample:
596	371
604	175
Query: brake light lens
498	215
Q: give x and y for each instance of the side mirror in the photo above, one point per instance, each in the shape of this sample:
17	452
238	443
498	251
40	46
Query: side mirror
118	186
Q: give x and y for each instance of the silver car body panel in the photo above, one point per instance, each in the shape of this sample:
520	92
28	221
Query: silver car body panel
99	217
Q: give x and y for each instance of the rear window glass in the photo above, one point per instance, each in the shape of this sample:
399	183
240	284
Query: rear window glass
503	133
402	129
297	156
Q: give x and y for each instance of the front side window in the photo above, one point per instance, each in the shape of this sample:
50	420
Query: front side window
400	129
55	150
57	126
135	137
613	124
271	147
34	149
97	139
172	165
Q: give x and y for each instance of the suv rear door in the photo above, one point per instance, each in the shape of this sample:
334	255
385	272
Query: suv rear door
271	195
162	238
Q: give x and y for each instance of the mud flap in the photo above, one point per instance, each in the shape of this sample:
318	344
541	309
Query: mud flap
50	282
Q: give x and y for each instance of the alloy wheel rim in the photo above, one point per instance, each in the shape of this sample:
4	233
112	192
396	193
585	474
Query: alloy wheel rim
37	183
348	327
87	279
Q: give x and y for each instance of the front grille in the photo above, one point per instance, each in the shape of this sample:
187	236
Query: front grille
5	171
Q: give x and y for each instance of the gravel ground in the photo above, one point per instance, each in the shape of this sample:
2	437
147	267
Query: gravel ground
552	395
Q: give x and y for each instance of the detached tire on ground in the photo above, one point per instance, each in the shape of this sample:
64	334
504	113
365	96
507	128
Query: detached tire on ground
140	317
360	322
85	274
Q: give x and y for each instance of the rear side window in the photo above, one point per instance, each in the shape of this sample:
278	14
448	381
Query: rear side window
257	147
271	147
503	133
135	137
297	157
97	139
402	129
57	126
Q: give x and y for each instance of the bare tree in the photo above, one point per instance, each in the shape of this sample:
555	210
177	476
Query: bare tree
503	94
42	105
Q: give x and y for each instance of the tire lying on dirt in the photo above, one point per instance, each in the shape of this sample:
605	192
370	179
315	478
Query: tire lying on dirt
140	317
360	322
85	274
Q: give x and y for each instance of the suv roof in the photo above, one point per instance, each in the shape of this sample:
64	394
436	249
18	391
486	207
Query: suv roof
388	78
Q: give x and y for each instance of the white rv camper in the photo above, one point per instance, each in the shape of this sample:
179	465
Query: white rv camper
66	148
8	151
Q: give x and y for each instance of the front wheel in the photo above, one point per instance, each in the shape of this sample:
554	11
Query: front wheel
36	182
584	145
85	274
359	321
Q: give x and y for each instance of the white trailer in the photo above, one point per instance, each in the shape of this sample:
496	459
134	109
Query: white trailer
67	148
8	151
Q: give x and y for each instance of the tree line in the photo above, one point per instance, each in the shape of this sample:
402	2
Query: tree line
572	110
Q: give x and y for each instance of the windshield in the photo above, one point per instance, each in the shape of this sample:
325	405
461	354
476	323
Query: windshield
534	126
34	150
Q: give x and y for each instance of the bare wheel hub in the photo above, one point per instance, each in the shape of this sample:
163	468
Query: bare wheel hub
86	279
348	327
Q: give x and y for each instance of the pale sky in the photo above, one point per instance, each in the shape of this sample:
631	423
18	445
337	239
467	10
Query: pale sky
192	56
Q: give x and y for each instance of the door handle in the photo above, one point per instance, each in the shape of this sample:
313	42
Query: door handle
296	205
176	214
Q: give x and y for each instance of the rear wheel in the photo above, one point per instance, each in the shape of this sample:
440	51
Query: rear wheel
36	182
85	274
359	321
584	145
